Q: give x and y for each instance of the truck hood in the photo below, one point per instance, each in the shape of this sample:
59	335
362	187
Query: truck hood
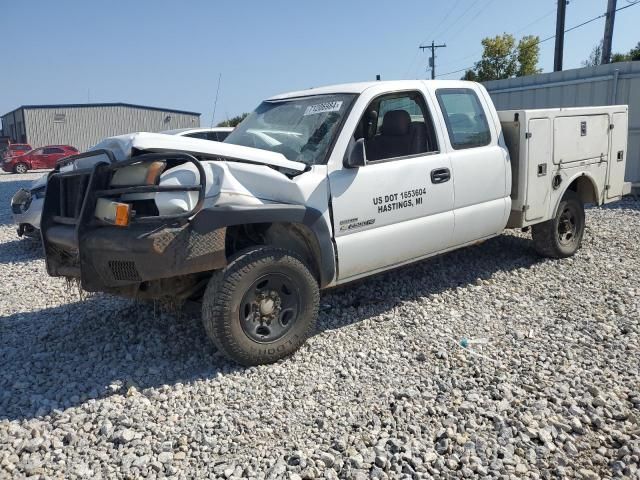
123	146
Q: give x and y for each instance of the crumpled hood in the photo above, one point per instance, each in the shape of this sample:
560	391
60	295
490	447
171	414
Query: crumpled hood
123	146
235	183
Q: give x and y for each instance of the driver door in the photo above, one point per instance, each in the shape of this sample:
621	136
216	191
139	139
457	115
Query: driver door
399	206
36	159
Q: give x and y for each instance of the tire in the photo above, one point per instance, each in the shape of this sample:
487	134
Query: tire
561	236
262	307
21	168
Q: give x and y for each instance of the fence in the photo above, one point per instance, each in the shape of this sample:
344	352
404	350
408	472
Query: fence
613	84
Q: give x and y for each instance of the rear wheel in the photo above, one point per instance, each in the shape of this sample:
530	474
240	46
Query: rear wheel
21	168
561	236
262	307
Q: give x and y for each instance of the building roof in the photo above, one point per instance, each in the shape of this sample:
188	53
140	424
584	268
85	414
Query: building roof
93	105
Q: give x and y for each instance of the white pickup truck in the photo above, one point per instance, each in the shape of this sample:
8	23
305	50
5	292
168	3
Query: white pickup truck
320	187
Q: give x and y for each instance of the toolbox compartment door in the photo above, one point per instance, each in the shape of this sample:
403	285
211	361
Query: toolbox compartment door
538	168
617	155
580	137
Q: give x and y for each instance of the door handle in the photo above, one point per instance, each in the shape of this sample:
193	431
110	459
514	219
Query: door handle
440	175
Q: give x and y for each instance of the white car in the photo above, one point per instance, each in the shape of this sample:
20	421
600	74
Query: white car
26	204
216	134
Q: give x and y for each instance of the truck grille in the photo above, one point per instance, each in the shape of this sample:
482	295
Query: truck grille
72	192
124	270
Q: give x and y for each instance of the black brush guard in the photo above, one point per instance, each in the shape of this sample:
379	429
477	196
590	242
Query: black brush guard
106	257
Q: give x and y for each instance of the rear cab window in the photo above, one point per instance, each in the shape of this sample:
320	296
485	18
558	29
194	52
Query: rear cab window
465	118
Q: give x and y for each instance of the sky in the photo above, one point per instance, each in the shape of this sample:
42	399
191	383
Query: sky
171	53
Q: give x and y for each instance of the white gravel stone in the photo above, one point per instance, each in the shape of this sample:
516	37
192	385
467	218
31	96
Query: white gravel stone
102	387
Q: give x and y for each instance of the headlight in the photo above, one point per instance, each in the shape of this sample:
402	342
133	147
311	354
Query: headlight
21	201
138	174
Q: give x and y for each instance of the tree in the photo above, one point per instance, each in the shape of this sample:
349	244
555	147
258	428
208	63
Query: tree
620	57
470	75
595	58
233	122
498	58
502	59
528	54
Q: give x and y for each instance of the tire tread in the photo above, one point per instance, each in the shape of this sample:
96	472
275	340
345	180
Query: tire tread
221	287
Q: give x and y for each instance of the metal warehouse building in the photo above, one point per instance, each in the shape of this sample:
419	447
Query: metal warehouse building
84	125
611	84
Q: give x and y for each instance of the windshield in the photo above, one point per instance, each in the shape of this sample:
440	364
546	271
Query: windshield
302	129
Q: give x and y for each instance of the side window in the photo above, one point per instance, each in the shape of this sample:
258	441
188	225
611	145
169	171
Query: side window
465	118
397	125
52	150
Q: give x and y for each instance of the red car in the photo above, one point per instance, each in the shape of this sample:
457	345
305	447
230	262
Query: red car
13	149
44	157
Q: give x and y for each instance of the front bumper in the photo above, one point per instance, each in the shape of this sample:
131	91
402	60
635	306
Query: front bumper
113	258
108	258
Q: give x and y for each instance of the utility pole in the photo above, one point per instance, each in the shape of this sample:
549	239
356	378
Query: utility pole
432	62
559	52
608	31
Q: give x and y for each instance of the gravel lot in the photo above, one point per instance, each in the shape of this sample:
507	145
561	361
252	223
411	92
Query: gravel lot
102	387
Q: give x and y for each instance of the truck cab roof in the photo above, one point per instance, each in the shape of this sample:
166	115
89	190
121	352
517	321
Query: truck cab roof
359	87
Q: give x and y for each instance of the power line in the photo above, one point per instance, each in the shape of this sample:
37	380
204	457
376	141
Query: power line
591	20
520	30
458	18
483	8
444	20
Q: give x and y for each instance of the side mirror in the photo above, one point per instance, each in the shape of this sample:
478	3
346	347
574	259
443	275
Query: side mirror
357	156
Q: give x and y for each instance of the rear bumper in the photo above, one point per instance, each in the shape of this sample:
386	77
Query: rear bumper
107	258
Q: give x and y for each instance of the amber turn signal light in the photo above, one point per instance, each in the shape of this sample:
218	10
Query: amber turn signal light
122	217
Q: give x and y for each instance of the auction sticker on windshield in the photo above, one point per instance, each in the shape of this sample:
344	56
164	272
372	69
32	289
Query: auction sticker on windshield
323	108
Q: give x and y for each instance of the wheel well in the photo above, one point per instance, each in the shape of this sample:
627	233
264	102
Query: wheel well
585	189
295	237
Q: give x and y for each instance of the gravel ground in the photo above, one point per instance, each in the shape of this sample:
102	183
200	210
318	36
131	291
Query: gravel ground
102	387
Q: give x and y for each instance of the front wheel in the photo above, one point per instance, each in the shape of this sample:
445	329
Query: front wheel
262	307
561	236
21	168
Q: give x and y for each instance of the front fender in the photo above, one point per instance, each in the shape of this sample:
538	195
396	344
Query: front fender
209	219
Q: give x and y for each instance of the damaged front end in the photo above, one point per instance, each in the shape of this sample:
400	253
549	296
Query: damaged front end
101	226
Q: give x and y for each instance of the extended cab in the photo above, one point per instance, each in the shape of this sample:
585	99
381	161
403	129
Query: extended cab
321	187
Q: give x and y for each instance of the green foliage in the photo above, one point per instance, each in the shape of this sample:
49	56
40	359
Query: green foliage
233	122
470	75
501	58
528	54
498	58
595	58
